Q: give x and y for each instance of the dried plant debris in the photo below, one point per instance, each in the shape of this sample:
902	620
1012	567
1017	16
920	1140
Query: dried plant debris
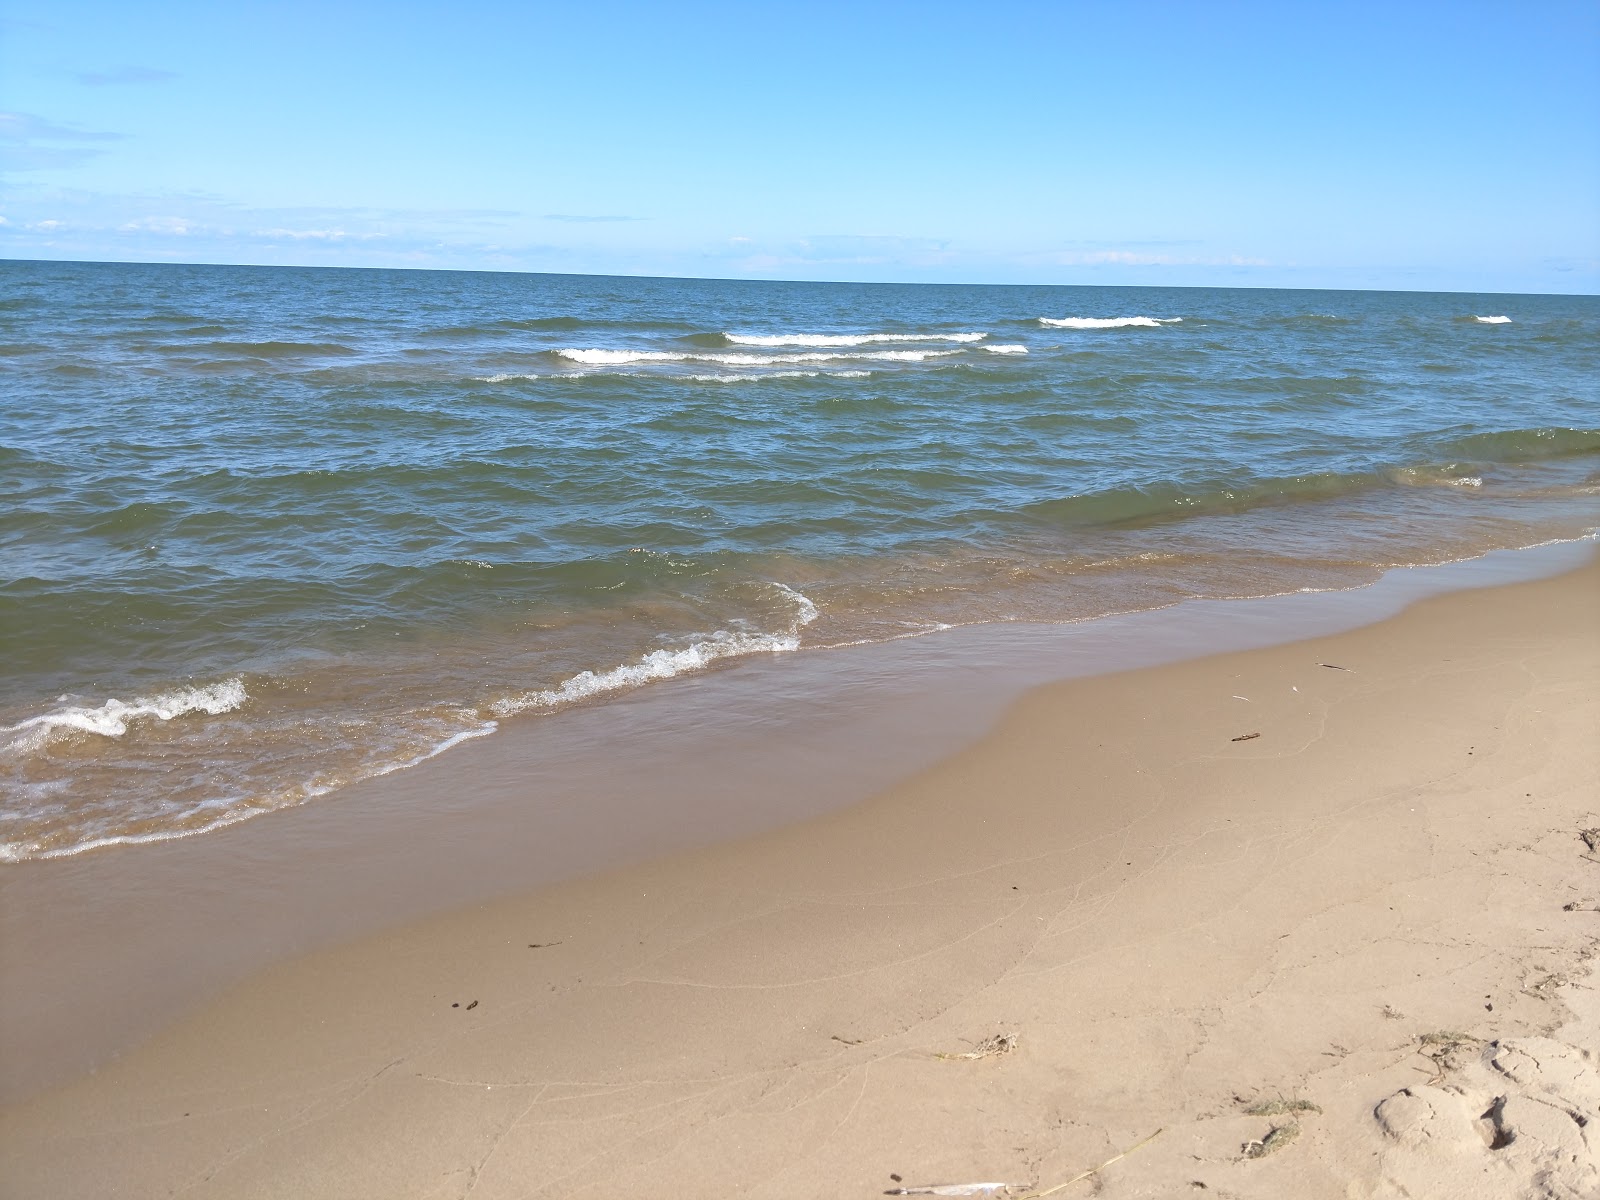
1245	737
1336	667
1281	1108
1591	838
991	1047
1092	1171
1442	1046
960	1189
1277	1138
1547	987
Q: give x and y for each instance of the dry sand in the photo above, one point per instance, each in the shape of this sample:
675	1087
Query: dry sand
1371	924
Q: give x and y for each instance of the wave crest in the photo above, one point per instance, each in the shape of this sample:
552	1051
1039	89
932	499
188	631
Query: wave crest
1108	322
665	664
616	358
112	718
845	339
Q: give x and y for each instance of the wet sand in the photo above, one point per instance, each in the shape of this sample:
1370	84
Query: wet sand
1103	917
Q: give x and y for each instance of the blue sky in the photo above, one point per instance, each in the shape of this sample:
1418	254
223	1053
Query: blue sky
1451	146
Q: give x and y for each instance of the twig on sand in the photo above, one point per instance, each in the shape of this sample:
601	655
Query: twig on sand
1082	1175
1336	667
1012	1189
958	1189
1245	737
1591	838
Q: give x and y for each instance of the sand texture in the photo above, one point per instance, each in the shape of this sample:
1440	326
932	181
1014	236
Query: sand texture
1311	921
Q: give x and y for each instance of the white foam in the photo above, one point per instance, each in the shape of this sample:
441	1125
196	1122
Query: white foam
613	358
1492	320
845	339
112	718
455	739
1108	322
665	664
1007	349
504	378
756	378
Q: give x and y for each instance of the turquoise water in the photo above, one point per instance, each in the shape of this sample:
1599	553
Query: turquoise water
269	530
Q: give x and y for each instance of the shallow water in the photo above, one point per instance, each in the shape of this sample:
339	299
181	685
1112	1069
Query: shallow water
271	530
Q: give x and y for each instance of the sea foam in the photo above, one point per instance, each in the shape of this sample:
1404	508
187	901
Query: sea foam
112	718
613	358
665	664
845	339
1492	320
1108	322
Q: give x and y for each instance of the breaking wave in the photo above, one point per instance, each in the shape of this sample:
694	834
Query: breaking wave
665	664
1108	322
112	718
613	358
845	339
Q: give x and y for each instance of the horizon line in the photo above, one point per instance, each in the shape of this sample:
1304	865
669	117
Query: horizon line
141	262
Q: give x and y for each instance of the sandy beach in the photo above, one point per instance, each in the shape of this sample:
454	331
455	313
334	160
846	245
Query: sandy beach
1311	920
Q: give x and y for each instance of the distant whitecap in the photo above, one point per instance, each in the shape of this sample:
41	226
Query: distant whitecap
845	339
1108	322
607	358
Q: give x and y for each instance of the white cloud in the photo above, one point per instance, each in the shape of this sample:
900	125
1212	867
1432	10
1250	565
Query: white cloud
173	225
582	219
1139	258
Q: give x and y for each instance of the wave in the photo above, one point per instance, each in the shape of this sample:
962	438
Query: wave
1007	349
1108	322
266	349
778	375
613	358
665	664
1521	445
1171	500
1492	320
745	377
112	718
845	339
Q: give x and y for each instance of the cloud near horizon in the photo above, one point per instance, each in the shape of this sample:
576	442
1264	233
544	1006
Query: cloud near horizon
583	219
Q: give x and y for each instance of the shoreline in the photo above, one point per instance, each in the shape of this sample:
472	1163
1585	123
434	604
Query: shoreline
1172	924
121	943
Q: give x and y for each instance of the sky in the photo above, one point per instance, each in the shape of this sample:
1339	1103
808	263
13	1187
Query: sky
1428	146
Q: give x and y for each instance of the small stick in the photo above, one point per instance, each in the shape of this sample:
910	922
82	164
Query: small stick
1245	737
1336	667
1094	1170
